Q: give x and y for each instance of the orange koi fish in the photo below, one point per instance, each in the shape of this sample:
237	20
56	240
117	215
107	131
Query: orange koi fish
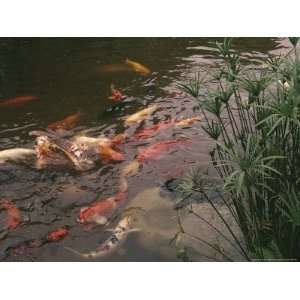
154	150
13	213
57	234
137	67
107	154
150	131
66	123
100	211
18	100
116	95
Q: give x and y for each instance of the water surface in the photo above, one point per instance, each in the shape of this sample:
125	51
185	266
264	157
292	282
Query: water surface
66	75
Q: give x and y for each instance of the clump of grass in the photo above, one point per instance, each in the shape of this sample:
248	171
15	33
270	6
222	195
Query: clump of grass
253	119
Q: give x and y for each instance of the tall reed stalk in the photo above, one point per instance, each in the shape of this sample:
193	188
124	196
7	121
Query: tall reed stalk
253	119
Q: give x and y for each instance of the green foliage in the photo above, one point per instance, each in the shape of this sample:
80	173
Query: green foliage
256	151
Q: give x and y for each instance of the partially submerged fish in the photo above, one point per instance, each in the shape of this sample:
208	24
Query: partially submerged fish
140	115
188	121
66	123
57	234
137	67
116	95
15	154
53	236
127	224
100	211
155	150
150	131
13	213
18	100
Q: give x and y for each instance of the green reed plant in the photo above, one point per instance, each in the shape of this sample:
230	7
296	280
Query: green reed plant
253	119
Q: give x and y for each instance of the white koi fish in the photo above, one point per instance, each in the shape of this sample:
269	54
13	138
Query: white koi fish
140	115
15	154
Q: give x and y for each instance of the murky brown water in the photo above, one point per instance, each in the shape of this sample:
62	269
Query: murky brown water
67	76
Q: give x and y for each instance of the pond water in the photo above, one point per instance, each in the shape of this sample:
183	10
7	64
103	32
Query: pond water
68	75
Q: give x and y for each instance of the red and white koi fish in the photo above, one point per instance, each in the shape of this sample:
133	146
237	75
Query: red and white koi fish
153	151
119	234
116	95
57	234
17	101
137	67
100	211
13	213
15	154
140	115
66	123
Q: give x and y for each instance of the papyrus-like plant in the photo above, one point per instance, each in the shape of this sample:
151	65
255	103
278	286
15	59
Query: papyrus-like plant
253	119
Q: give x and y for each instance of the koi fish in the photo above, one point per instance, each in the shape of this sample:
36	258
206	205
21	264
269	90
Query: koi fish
119	234
154	150
108	154
140	115
15	154
17	100
150	131
52	236
188	121
13	213
74	153
116	95
100	211
137	67
57	234
66	123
